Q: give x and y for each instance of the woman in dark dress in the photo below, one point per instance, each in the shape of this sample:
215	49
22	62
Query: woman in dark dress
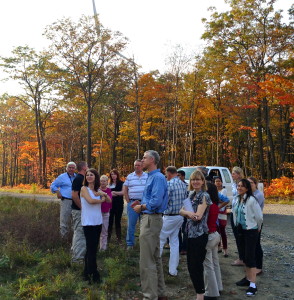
116	211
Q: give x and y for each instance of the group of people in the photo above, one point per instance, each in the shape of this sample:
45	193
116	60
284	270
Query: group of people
192	220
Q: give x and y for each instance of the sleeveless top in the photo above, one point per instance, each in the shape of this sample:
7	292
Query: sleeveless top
91	213
195	229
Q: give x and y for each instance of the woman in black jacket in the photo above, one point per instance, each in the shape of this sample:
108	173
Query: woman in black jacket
116	186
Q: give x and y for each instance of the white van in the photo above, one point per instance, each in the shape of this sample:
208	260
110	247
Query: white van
213	171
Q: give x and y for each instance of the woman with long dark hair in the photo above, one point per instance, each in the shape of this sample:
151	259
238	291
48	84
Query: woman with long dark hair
91	219
197	230
248	218
260	199
116	186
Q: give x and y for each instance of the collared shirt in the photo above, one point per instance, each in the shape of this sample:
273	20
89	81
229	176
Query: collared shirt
155	193
64	183
136	185
177	192
259	197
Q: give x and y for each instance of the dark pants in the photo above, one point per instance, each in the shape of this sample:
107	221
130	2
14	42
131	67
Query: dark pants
196	251
247	241
259	252
234	228
183	237
92	235
222	231
115	215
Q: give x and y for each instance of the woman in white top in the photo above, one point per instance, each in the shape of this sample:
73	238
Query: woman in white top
91	218
248	219
260	199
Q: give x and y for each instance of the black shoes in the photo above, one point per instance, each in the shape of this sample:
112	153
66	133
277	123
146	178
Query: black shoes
243	282
251	291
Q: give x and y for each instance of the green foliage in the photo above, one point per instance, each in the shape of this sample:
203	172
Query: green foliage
20	254
31	270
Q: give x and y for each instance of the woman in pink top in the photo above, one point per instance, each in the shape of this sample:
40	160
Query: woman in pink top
105	208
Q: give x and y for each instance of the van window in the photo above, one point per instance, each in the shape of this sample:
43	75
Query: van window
213	173
188	171
226	175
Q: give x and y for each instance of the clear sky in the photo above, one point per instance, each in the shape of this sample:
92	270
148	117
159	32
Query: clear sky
153	27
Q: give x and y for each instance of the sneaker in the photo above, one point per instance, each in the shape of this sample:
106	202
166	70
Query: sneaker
243	282
251	291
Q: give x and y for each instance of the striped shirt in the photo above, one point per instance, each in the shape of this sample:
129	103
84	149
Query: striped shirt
177	192
136	185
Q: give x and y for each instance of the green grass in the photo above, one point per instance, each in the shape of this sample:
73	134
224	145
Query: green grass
280	200
35	262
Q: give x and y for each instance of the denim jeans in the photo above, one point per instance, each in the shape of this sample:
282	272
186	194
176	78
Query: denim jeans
132	221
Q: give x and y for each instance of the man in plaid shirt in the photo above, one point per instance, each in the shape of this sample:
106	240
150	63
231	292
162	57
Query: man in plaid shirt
172	221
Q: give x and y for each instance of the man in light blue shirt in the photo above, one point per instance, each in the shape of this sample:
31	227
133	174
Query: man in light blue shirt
133	191
62	186
153	204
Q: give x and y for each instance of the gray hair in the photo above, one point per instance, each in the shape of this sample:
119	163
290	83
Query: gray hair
155	155
71	163
138	160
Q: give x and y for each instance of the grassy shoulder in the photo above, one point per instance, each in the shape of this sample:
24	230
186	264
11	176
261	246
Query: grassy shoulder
35	261
280	200
26	189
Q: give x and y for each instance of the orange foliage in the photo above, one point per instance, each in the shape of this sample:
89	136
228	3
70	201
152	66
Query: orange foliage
280	187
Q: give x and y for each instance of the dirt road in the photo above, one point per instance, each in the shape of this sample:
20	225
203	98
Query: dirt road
277	280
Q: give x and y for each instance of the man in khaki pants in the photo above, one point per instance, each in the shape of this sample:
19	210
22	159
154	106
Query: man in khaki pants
62	187
153	204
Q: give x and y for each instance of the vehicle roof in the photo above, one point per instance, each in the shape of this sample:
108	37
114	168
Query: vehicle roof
202	166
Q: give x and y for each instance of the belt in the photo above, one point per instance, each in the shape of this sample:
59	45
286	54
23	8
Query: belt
142	213
211	232
64	198
171	214
135	200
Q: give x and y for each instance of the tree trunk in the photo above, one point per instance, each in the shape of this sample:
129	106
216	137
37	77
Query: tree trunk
89	134
260	143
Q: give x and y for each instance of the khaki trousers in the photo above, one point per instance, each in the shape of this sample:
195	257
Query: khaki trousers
212	273
151	272
65	216
78	247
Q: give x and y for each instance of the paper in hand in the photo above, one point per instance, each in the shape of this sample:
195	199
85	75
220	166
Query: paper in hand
188	205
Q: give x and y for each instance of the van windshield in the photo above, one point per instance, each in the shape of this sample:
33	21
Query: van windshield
188	171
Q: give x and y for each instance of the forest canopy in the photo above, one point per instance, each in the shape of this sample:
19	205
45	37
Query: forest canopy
230	105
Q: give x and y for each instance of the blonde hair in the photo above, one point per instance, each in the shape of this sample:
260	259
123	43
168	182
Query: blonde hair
104	177
198	175
239	171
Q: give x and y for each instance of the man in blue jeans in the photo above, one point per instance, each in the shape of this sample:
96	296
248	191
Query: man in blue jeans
133	190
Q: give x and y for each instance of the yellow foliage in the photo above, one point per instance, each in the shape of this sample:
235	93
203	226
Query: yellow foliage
279	187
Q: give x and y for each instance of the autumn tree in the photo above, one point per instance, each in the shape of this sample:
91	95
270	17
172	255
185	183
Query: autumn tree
85	61
253	35
33	72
